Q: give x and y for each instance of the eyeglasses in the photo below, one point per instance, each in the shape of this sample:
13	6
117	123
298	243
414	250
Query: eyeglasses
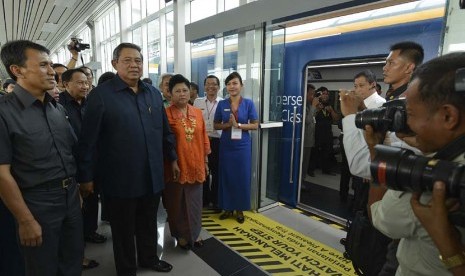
128	61
81	83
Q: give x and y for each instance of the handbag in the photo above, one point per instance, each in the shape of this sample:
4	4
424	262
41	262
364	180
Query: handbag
365	246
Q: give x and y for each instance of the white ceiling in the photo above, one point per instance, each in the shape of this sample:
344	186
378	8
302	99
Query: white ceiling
25	19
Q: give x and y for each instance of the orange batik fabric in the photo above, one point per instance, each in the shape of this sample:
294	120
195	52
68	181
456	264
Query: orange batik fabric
192	144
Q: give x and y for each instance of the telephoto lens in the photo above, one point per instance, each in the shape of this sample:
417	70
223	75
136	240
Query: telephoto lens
392	116
400	169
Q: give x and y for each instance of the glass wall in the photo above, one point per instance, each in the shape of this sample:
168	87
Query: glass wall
153	60
107	33
201	9
203	58
170	42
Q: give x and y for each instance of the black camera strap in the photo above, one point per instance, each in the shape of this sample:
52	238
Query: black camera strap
452	150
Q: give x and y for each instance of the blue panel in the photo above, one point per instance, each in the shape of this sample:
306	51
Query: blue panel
373	42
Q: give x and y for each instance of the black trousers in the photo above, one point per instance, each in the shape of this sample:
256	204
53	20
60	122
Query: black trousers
129	218
210	192
345	172
321	155
90	214
11	259
58	211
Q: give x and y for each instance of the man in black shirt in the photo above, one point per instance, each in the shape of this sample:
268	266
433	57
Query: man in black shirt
402	60
37	167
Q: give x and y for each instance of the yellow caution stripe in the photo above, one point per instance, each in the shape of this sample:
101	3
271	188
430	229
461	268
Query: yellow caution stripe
275	248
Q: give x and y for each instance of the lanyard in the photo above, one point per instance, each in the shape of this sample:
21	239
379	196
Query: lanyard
235	112
209	111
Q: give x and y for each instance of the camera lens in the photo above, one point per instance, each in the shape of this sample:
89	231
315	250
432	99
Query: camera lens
372	117
400	169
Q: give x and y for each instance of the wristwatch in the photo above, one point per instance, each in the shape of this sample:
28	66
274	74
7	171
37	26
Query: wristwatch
239	125
453	261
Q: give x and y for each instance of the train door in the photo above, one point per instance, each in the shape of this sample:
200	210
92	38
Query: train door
323	191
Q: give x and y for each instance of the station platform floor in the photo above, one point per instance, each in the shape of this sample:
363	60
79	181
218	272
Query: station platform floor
278	241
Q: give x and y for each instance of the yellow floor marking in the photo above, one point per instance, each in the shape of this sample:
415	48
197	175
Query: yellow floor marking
276	248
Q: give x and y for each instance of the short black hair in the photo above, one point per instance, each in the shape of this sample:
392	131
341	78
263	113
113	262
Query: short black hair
311	86
56	65
211	77
105	77
14	53
178	78
378	86
119	48
322	88
147	80
68	74
411	50
194	85
231	76
437	81
368	74
85	67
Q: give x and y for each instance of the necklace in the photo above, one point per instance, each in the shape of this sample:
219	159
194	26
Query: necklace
188	130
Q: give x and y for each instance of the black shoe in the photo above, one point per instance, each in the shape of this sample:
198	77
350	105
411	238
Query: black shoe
198	244
240	217
226	215
159	266
90	264
343	241
312	174
95	238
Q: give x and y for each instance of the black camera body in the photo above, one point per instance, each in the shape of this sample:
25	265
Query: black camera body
391	116
78	46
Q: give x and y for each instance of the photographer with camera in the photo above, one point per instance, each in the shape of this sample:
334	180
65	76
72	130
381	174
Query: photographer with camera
324	118
75	47
436	115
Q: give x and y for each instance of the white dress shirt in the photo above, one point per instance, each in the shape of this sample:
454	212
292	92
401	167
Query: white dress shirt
208	110
358	155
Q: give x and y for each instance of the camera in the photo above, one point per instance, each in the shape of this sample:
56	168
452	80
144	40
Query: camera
78	46
400	169
391	116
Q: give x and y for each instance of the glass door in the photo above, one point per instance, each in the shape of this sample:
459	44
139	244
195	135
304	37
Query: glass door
271	125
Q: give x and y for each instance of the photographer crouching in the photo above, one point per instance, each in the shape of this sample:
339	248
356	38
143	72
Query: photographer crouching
436	118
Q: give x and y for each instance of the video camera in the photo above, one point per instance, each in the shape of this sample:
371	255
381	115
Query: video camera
77	45
391	116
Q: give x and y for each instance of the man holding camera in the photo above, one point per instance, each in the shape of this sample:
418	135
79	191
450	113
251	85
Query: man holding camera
324	118
436	115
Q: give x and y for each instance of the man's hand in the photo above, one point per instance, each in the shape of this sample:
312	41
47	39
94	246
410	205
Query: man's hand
30	233
349	102
373	138
175	169
86	188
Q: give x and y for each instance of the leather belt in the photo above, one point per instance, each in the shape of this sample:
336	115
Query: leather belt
56	183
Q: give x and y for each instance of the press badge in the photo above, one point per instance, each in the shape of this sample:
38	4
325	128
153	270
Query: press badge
236	133
209	126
